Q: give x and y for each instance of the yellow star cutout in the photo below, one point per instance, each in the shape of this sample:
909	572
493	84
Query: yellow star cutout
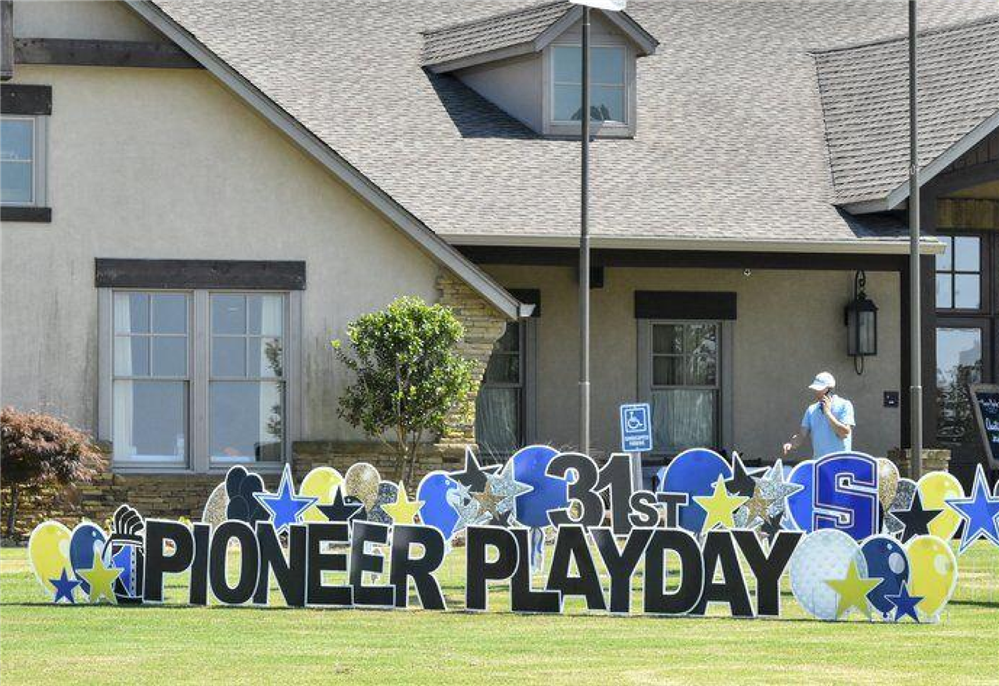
101	580
719	506
403	510
853	591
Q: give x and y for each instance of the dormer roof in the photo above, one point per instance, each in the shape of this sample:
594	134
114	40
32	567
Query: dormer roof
519	32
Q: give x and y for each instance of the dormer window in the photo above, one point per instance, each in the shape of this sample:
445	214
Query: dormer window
528	62
608	84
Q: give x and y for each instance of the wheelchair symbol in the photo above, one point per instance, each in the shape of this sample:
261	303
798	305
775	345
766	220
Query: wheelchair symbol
634	420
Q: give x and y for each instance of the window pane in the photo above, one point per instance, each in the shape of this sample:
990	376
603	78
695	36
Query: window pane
967	291
266	357
150	419
683	419
944	291
510	340
567	64
169	313
667	338
607	103
131	313
266	315
497	421
667	371
228	356
700	339
503	368
245	421
959	363
967	256
606	65
16	139
228	314
567	103
131	356
16	183
945	260
701	370
169	356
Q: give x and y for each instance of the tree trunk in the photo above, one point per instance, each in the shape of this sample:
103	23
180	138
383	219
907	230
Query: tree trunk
400	461
411	469
12	511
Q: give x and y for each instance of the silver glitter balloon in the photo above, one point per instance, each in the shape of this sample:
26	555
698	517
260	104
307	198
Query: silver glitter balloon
216	506
387	492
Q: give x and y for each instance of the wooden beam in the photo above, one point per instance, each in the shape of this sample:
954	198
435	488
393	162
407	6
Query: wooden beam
6	40
101	53
252	275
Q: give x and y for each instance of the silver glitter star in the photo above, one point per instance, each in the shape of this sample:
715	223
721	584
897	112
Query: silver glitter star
774	490
469	514
508	488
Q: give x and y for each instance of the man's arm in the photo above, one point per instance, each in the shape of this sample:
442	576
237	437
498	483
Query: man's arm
796	440
842	429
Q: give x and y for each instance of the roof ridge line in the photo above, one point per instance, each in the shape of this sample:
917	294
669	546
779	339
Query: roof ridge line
904	37
493	17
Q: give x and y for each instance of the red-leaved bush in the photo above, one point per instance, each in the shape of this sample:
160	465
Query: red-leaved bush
37	450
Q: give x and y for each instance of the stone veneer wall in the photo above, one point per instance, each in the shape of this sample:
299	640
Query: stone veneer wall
184	495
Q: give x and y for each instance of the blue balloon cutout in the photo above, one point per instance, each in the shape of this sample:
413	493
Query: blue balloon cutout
799	505
694	472
550	493
436	510
86	542
887	560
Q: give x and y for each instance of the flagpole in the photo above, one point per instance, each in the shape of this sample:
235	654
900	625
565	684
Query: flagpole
915	274
584	249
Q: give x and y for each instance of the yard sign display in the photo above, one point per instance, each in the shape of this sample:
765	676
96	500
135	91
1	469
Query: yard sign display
851	535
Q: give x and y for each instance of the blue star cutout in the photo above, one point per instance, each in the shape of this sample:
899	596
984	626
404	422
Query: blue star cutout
64	587
979	513
905	604
285	508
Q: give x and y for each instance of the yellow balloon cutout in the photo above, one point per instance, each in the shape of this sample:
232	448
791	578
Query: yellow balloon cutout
320	483
48	552
932	573
934	488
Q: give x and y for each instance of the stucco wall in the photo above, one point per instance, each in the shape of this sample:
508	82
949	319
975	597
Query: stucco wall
149	163
80	19
790	326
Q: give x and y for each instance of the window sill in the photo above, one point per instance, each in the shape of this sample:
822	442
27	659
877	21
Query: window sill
38	215
164	470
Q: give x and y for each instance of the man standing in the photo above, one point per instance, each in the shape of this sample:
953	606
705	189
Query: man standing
829	421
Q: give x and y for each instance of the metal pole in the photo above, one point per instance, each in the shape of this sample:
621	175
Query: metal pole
915	304
584	250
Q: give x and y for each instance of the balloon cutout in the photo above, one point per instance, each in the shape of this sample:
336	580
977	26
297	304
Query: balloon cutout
887	561
934	490
547	492
934	573
823	557
86	543
799	505
694	473
320	483
48	552
437	510
888	477
361	481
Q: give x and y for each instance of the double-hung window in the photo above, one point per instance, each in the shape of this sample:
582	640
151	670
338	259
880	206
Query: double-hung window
504	407
22	160
199	379
608	84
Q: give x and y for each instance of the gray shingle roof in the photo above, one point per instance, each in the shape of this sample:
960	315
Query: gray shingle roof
730	143
491	33
864	92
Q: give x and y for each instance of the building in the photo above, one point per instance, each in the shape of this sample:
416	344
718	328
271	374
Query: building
198	196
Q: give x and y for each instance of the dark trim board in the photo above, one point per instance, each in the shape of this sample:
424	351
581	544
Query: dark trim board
101	53
38	215
678	259
528	296
6	39
27	99
241	274
685	305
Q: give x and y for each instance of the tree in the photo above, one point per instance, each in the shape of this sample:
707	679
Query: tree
39	450
409	375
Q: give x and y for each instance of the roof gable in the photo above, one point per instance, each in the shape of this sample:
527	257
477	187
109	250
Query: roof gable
518	32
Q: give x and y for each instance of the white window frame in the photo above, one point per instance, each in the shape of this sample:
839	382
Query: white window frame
724	408
197	442
39	159
607	129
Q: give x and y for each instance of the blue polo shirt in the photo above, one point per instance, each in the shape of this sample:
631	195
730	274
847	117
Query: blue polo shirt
825	440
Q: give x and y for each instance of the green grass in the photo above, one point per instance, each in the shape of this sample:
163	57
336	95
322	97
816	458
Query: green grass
172	644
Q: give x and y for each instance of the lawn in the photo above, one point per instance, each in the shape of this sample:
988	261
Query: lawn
172	644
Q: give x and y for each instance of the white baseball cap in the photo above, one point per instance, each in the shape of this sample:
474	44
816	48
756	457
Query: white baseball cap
823	381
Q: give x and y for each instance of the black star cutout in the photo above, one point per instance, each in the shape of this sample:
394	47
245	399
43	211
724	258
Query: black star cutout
501	519
915	520
473	475
741	482
771	526
342	509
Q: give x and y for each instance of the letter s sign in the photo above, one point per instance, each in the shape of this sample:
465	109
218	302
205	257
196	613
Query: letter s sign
846	494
